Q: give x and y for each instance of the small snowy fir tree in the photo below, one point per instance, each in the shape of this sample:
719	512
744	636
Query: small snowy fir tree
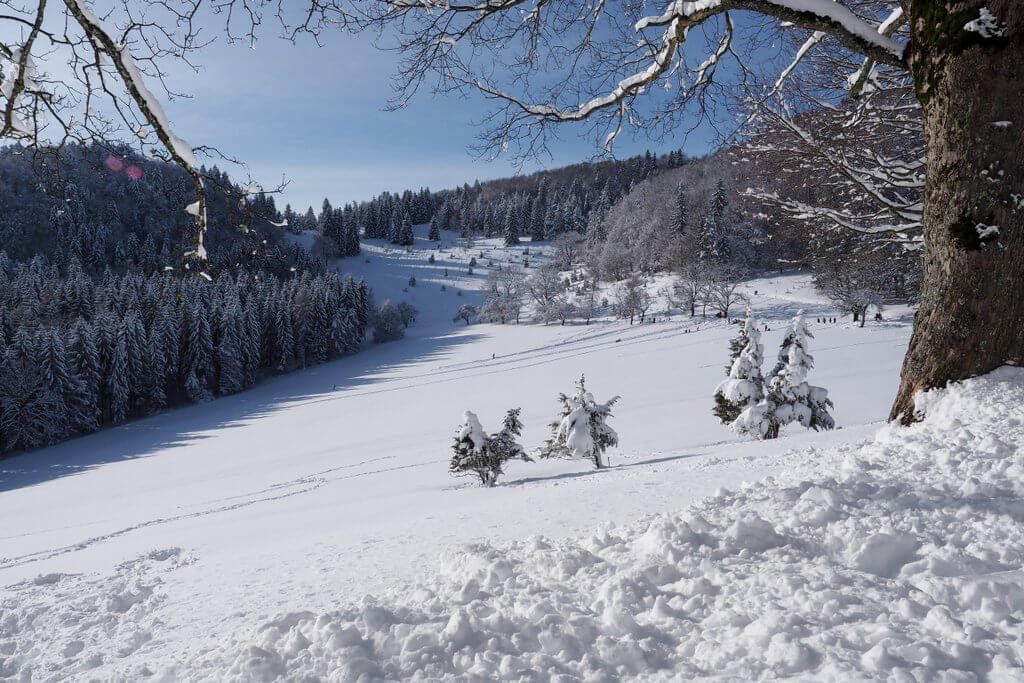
484	456
788	397
405	236
435	230
745	385
582	432
511	229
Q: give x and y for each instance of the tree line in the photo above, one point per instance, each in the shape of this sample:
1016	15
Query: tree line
78	353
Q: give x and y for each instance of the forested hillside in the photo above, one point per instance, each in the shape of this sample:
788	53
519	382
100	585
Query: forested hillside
101	321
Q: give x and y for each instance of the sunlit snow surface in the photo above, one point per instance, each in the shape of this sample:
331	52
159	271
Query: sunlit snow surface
237	539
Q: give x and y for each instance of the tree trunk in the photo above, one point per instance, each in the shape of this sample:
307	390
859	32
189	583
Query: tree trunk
971	317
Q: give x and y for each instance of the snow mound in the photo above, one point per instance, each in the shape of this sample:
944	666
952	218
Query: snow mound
905	565
64	626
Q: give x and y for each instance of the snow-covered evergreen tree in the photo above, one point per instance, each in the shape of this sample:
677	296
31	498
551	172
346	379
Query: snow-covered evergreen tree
712	246
680	214
582	431
745	385
511	226
405	234
198	356
478	454
228	352
788	396
28	407
537	233
387	323
84	360
118	380
435	230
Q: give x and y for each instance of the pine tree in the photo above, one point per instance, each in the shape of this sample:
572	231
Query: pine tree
319	337
394	226
143	379
51	361
156	395
405	234
284	339
678	221
537	233
712	246
27	405
118	386
788	397
745	385
228	351
326	212
511	226
197	360
84	360
350	220
435	230
250	344
582	432
484	456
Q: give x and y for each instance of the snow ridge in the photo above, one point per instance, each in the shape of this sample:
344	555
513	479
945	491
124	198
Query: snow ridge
905	564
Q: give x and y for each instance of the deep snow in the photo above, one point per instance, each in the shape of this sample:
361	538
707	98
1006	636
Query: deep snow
165	544
896	560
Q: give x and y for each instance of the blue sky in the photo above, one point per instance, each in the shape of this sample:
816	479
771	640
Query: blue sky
316	116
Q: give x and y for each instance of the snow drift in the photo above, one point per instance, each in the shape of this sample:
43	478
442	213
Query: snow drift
905	564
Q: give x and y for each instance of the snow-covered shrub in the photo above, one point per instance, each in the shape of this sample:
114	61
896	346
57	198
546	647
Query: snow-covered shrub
745	385
467	312
387	323
788	397
581	432
483	455
412	281
407	313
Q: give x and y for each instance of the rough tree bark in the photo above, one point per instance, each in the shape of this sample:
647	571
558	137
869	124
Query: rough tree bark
971	87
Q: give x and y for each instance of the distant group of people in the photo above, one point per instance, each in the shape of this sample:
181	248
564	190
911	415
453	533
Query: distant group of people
827	320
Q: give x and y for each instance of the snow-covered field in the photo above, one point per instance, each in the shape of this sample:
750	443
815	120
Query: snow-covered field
239	539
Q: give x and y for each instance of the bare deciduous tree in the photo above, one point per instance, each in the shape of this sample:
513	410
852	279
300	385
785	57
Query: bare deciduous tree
547	290
854	283
690	287
504	292
568	248
632	299
722	292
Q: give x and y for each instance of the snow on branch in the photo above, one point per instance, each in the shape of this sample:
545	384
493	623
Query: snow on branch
555	63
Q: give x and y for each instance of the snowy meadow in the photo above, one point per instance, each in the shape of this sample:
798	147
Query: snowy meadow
309	527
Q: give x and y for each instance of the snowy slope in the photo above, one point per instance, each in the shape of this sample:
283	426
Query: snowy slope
153	544
896	560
